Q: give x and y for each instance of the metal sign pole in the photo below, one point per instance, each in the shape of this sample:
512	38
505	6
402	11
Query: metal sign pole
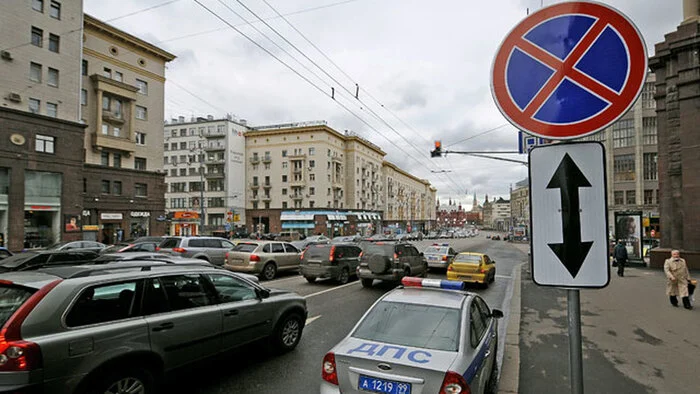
575	345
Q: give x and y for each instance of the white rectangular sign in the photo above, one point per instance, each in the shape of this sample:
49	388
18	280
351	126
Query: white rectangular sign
569	211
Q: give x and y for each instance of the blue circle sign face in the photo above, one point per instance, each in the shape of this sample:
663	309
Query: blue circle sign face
569	70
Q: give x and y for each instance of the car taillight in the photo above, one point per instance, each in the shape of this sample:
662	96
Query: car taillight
179	250
482	270
362	254
254	257
331	255
16	354
157	248
450	268
396	256
328	371
454	383
226	255
444	258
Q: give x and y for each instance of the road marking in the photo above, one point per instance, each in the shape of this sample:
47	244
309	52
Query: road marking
284	279
312	319
503	276
331	289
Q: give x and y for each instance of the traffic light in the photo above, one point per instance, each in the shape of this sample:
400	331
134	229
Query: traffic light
438	150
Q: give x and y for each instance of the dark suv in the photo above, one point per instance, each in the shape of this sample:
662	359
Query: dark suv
330	261
42	258
390	261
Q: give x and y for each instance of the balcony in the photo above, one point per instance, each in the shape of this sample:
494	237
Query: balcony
336	159
297	197
214	175
267	186
215	134
300	156
267	160
116	143
214	147
254	186
214	160
113	118
297	170
266	198
297	182
253	198
254	160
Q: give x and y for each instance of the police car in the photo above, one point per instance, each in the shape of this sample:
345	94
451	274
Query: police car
427	336
439	255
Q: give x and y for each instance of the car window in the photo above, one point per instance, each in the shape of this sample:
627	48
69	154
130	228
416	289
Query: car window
355	251
91	245
467	258
103	303
277	248
412	251
291	248
422	326
64	257
155	300
436	249
230	289
452	252
487	260
4	253
246	247
477	326
267	248
145	247
186	291
485	311
11	298
379	248
197	243
170	243
226	244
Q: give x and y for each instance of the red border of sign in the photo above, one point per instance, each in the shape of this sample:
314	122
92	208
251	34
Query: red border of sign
624	101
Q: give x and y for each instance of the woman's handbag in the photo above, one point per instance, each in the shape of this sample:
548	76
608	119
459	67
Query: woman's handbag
614	262
691	286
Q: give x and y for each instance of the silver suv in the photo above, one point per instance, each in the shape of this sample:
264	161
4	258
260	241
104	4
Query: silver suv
390	261
211	249
101	328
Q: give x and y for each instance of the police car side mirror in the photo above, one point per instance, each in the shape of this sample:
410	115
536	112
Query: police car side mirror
497	313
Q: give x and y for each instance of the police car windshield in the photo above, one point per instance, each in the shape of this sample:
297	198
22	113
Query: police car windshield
422	326
436	250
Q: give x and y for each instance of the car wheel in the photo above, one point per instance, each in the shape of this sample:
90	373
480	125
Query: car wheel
492	384
367	282
288	332
493	276
310	279
344	276
124	381
406	272
269	271
425	271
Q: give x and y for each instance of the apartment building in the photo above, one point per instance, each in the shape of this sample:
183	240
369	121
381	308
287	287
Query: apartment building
41	168
409	200
520	203
204	163
310	178
631	161
122	101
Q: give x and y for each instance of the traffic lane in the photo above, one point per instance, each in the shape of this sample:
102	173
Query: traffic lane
252	370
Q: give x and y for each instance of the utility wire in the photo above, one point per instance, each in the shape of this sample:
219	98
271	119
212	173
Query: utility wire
143	10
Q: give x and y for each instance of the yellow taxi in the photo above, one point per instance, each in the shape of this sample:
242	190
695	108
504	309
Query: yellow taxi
473	268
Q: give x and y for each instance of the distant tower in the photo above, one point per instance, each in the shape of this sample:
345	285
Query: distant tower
475	203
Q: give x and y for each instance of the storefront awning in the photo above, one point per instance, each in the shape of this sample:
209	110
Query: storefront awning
296	216
336	217
290	225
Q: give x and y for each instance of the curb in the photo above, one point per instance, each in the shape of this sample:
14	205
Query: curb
510	368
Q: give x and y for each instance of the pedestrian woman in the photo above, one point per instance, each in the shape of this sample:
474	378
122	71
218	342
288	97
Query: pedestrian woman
677	276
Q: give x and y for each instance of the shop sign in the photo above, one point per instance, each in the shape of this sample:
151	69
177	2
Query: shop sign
186	215
140	214
111	216
86	212
41	208
91	227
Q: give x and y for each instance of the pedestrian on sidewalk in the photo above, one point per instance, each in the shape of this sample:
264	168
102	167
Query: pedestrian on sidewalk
678	276
620	256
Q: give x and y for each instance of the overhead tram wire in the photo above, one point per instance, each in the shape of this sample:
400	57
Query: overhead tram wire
479	134
215	14
143	10
377	116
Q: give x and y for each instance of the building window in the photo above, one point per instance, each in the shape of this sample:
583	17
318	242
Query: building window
312	177
141	113
55	10
255	205
623	168
649	130
34	105
650	167
105	129
119	77
83	97
35	72
37	36
183	145
140	163
285	164
53	77
312	191
45	143
84	67
631	197
143	87
284	205
312	163
648	92
312	151
284	192
117	109
183	171
623	133
107	72
117	188
104	158
117	131
140	138
311	204
117	160
51	110
38	5
54	43
658	200
648	197
284	178
141	190
105	187
284	153
267	166
106	103
173	172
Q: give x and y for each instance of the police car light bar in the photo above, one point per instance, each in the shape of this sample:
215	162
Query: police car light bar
434	283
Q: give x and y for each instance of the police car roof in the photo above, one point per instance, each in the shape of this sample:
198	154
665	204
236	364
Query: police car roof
428	296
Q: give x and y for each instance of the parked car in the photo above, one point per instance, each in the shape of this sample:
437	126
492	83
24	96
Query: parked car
288	236
128	326
418	339
148	256
335	261
36	259
346	239
311	240
125	247
85	245
432	235
211	249
439	255
5	253
263	258
472	267
390	261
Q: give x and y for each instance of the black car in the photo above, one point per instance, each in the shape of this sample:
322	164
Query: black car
126	247
43	258
334	261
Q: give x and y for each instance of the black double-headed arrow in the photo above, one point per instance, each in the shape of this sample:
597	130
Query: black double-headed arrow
569	178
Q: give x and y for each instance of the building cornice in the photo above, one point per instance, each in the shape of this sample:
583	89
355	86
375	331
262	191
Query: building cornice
108	59
90	22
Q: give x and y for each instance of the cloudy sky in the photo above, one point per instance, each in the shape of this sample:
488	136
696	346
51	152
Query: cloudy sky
422	68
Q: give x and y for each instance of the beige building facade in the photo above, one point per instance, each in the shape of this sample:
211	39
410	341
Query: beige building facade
520	204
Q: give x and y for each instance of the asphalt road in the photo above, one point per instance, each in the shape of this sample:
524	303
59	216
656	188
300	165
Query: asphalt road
333	311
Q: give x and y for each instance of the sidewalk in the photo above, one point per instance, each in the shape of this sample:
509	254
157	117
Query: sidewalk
634	341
